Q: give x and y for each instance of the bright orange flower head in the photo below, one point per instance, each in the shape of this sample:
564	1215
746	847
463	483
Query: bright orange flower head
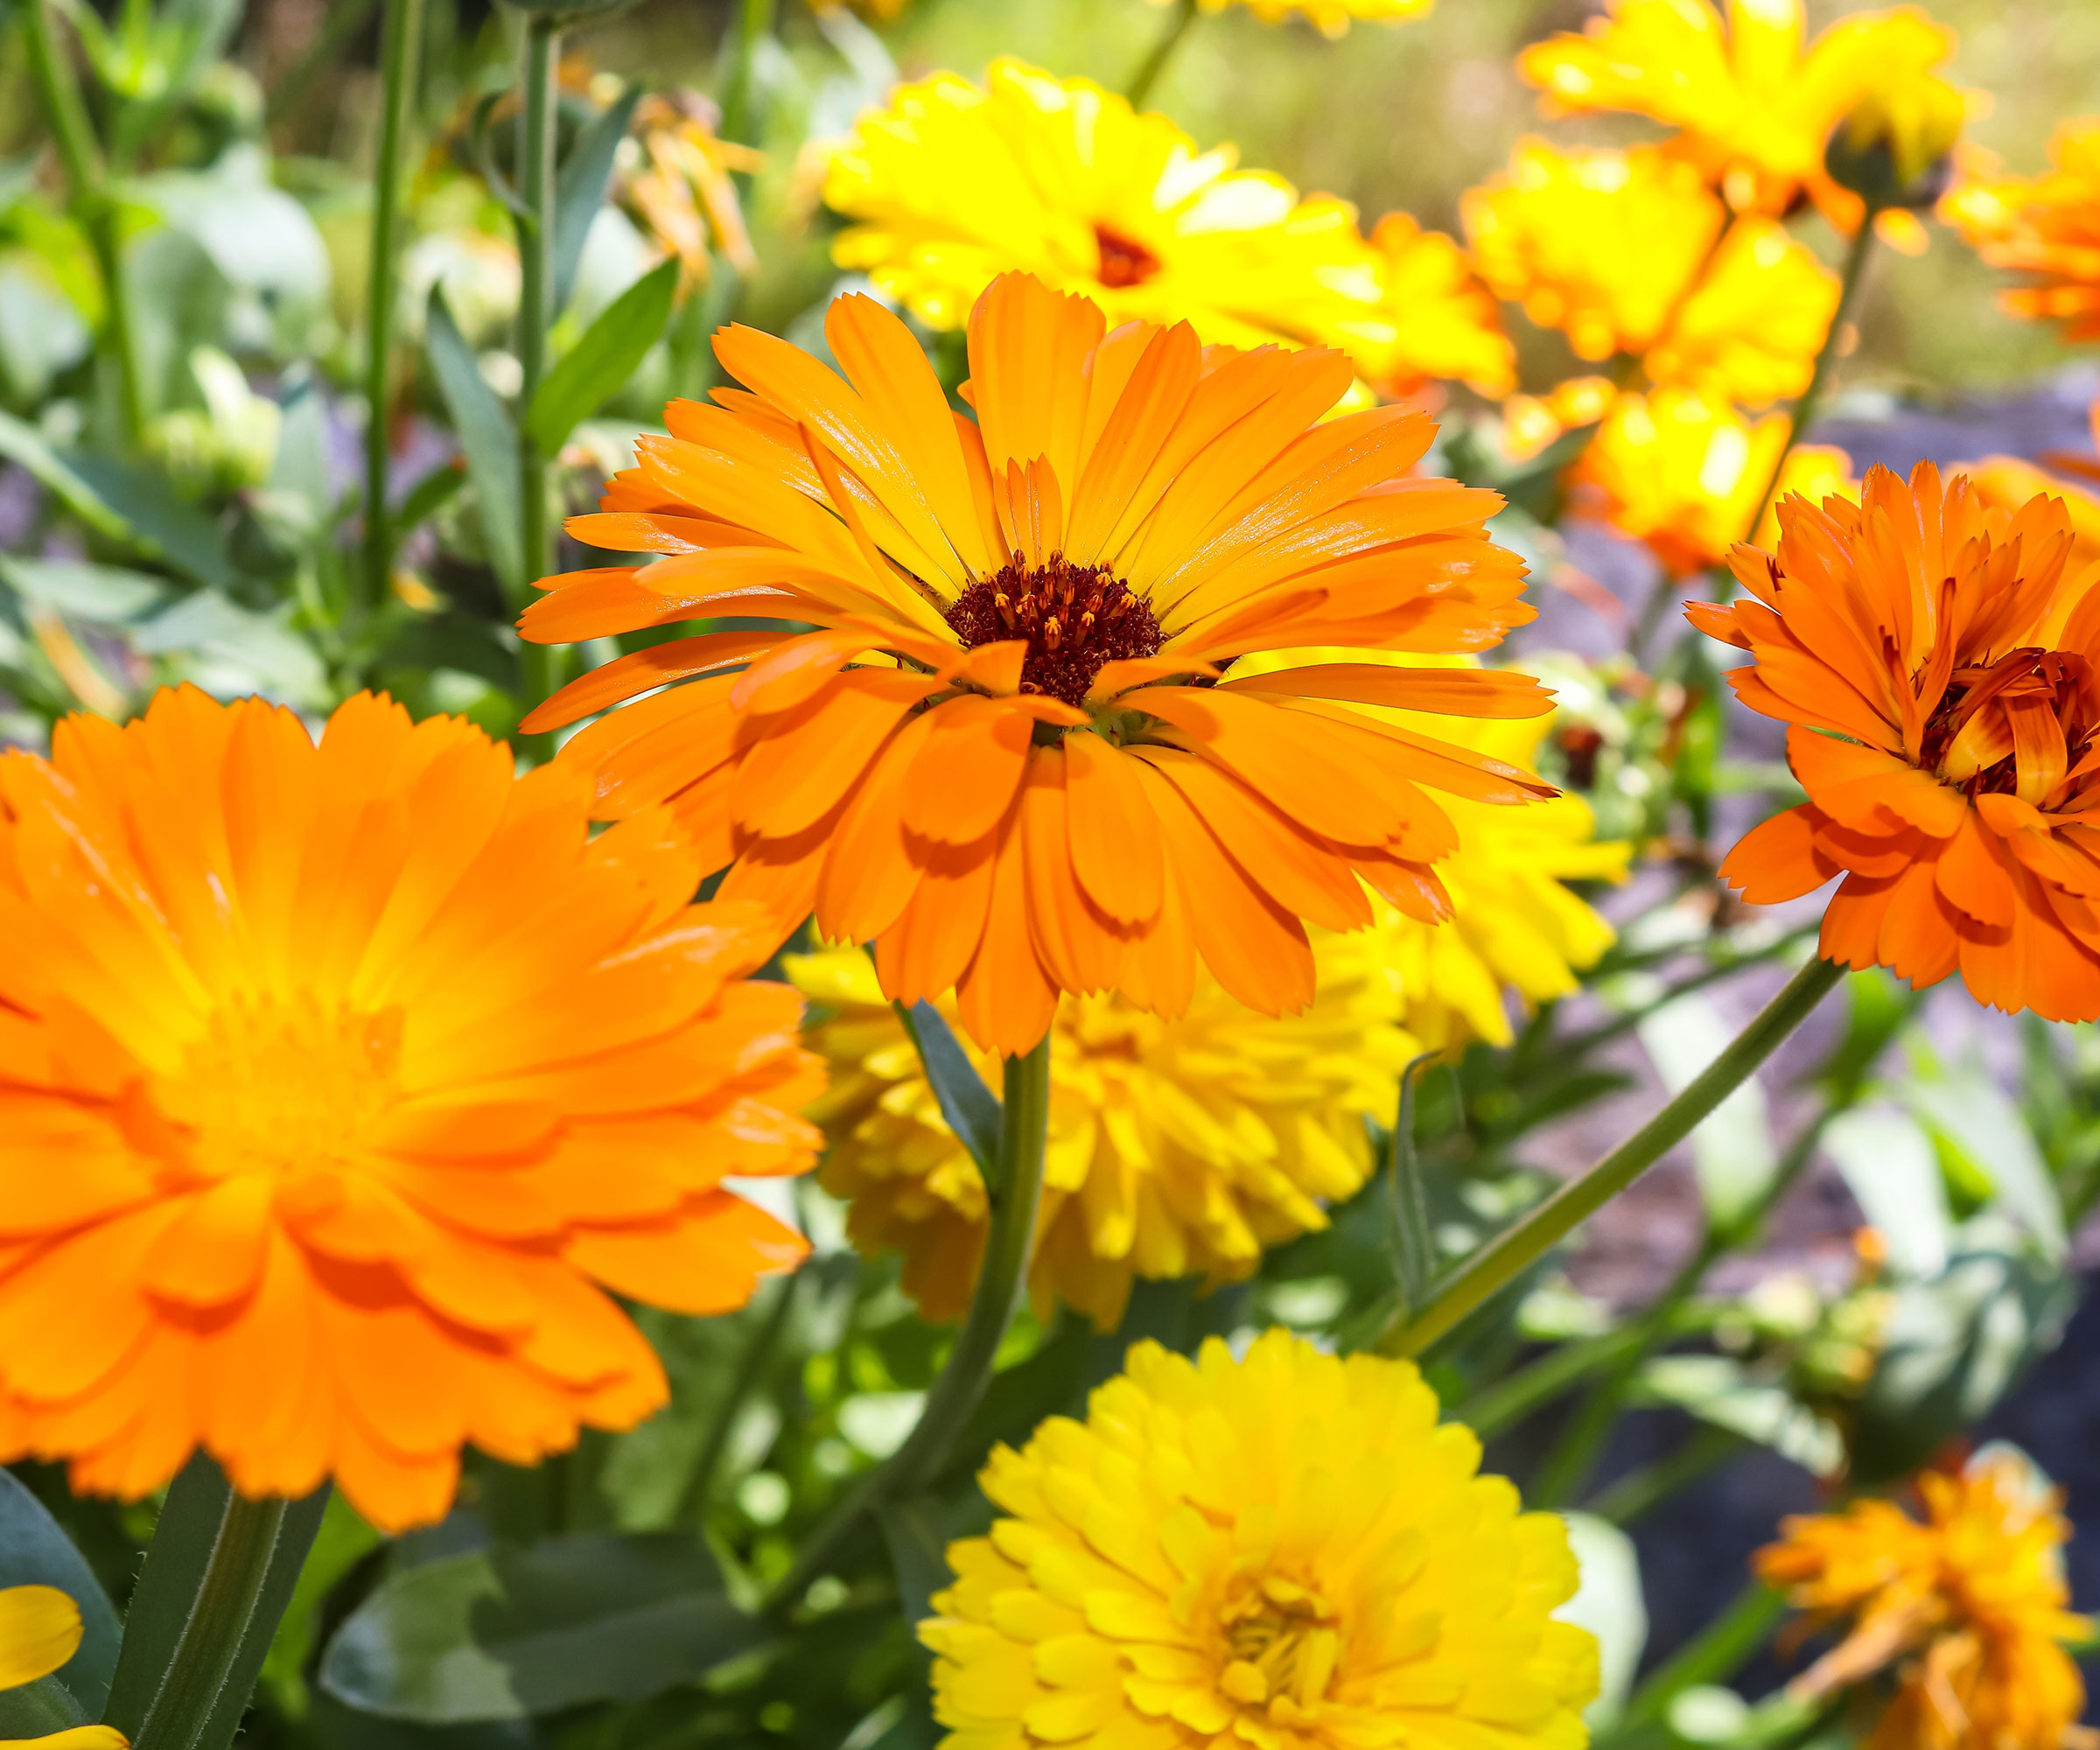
2047	230
1756	102
1011	754
1951	663
337	1086
1968	1605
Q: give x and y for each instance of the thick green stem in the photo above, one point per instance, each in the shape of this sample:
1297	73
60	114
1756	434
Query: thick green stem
1142	82
539	665
1637	1492
1810	404
1002	1280
219	1617
397	56
1505	1258
93	204
740	119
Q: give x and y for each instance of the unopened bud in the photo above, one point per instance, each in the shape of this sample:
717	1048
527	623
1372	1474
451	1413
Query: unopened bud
1892	149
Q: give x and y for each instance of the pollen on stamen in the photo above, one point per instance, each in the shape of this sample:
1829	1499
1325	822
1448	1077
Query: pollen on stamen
1077	618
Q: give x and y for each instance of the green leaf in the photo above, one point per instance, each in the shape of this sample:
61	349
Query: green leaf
1718	1391
428	496
486	437
1732	1150
34	1551
579	191
972	1108
918	1552
38	1709
167	1588
108	594
1968	1111
507	1631
599	365
1889	1167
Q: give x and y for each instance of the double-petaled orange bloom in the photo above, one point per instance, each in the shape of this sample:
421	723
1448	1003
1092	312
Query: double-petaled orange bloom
1939	665
1010	753
337	1087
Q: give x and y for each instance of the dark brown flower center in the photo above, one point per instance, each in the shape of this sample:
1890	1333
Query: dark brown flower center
1077	618
1125	261
1972	739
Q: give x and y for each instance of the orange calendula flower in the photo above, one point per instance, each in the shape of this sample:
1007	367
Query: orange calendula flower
2046	229
1013	754
1755	101
1425	315
1946	654
338	1086
957	183
1618	249
1682	474
1966	1608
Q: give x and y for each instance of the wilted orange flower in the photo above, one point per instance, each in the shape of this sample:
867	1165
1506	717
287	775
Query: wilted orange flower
2046	229
1682	474
685	193
1003	757
1424	314
1968	1607
1755	107
1618	249
1948	654
337	1086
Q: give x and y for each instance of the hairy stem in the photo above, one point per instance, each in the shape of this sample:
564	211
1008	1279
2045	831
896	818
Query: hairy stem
539	665
1510	1252
218	1619
402	34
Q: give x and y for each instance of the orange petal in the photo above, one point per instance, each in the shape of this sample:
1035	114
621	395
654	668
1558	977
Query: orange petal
1116	849
964	778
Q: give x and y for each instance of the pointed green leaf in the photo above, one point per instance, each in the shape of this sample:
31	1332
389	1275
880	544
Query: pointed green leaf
34	1550
486	437
579	190
972	1108
599	365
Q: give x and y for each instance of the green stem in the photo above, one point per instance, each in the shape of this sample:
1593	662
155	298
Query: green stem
1513	1250
758	1354
1635	1494
1142	82
219	1617
539	665
1510	1400
401	36
1810	404
1712	1657
92	203
740	119
1002	1280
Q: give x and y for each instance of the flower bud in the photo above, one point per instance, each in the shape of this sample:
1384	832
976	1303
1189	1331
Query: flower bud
1892	149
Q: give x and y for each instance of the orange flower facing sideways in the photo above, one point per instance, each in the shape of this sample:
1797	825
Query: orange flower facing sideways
341	1088
1937	660
1967	1607
1012	754
2046	229
1754	101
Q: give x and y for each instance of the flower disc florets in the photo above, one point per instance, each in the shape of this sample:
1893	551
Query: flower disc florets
1077	618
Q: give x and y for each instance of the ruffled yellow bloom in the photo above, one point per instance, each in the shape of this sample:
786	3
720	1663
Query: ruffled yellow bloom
1282	1553
1186	1147
1682	472
2046	229
1177	1147
1532	422
1333	17
1966	1608
40	1631
1756	102
957	183
1618	250
1425	315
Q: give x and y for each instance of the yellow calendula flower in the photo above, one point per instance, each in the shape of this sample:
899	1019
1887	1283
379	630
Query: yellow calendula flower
1187	1145
1332	17
957	183
1423	314
1284	1552
1755	101
40	1631
1682	472
1966	1609
2046	228
1179	1147
1618	250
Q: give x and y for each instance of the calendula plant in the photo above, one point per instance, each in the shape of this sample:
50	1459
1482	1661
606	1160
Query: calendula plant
806	937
